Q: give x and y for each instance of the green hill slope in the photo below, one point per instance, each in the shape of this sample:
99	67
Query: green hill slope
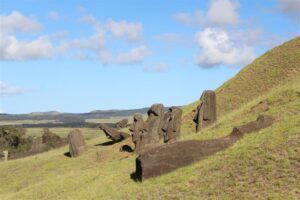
274	68
262	165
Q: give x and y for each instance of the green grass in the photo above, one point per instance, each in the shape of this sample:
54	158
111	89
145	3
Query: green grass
88	133
262	165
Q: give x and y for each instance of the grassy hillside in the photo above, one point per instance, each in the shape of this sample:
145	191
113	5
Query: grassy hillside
262	165
272	69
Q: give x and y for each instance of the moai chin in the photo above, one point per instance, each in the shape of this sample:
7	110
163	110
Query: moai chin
206	112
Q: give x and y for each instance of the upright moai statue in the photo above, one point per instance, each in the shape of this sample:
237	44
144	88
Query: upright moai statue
77	145
138	129
5	153
154	123
147	134
206	112
172	124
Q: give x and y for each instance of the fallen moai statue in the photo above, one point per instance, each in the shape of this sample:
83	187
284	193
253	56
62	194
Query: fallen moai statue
172	124
112	133
168	157
122	124
77	144
261	122
206	112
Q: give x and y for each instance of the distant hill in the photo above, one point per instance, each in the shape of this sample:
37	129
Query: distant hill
71	117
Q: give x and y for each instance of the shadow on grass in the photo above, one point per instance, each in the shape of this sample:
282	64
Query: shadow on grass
67	154
134	177
108	143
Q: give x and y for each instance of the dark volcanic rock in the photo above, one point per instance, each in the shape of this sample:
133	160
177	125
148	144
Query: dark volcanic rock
138	129
122	124
112	133
77	144
147	134
206	112
172	124
261	122
154	123
168	157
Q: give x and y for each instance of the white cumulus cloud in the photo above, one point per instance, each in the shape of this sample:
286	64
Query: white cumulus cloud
160	67
290	8
220	13
216	48
129	30
6	89
13	49
16	22
134	56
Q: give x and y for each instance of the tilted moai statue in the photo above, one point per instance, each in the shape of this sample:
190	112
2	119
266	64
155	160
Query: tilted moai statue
138	129
206	112
172	124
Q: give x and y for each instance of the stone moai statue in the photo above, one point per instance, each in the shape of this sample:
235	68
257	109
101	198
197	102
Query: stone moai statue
77	144
172	124
138	129
154	123
206	112
5	153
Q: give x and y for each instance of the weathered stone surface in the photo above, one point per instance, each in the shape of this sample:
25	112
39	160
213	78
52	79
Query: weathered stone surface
206	112
112	133
138	129
37	145
168	157
77	144
122	124
147	134
172	124
154	123
261	122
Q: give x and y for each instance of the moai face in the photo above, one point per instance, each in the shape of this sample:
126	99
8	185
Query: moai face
172	124
206	112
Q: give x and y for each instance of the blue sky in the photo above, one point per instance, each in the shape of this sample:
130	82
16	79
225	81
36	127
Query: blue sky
79	56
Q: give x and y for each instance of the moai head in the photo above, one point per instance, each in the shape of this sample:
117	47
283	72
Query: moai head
172	124
206	112
154	122
137	128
